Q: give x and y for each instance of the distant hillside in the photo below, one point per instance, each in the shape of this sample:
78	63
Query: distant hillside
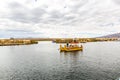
117	35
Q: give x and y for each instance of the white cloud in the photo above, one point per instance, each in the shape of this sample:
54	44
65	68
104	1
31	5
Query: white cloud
59	18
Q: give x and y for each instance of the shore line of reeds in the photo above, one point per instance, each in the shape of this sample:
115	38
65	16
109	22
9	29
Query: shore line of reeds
11	42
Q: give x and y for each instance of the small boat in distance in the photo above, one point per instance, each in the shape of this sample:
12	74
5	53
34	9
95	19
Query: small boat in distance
71	47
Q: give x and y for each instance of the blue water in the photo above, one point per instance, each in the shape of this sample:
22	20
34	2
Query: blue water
43	61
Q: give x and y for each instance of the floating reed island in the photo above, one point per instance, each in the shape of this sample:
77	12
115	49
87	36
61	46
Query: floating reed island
27	41
12	41
82	40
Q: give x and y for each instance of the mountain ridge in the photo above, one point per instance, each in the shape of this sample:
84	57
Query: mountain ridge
116	35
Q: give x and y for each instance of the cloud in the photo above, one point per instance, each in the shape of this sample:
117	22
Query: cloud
59	18
21	13
116	2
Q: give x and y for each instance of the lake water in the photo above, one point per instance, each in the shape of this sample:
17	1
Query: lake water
43	61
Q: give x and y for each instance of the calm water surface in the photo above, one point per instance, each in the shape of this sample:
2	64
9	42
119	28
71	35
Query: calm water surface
43	61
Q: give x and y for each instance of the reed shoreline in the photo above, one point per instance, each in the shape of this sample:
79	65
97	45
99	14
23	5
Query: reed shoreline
28	41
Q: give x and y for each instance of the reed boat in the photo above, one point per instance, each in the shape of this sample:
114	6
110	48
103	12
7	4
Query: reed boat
71	48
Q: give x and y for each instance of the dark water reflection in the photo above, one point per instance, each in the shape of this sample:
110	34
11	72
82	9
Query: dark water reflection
98	61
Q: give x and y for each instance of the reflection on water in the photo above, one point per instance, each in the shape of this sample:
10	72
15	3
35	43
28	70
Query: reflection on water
71	55
43	61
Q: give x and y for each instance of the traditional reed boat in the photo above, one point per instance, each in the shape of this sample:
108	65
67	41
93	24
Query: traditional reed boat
71	47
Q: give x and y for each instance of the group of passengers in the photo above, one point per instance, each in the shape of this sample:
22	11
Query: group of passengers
71	46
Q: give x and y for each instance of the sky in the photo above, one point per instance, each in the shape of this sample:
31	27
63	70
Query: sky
59	18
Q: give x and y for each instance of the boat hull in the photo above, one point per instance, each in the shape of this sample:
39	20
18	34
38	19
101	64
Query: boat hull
69	49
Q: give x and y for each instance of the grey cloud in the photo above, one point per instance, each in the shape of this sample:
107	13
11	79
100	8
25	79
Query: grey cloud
69	18
23	14
107	25
83	15
79	4
38	12
54	17
15	5
116	2
56	14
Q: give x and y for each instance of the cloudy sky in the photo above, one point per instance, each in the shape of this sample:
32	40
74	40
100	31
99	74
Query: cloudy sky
59	18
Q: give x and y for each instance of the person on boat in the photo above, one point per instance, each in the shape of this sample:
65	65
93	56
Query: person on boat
67	44
81	46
